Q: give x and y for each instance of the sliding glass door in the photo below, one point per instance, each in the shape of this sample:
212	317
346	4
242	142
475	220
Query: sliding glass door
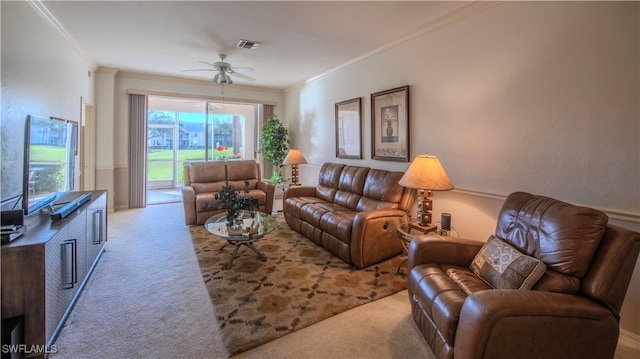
185	130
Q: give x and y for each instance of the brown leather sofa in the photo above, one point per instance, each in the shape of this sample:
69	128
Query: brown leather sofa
203	179
572	311
350	211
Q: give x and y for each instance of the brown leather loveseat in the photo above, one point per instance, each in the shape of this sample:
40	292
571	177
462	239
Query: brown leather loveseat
470	299
203	179
350	211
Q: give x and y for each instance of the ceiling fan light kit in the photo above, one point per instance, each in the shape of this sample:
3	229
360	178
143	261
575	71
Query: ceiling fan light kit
222	79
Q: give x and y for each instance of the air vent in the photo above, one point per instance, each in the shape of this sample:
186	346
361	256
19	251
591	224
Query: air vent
248	44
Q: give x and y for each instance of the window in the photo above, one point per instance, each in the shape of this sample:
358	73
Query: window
182	130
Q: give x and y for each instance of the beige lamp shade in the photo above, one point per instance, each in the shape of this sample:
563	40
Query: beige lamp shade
426	172
294	157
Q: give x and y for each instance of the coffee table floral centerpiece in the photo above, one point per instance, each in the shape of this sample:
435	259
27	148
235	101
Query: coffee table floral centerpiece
235	203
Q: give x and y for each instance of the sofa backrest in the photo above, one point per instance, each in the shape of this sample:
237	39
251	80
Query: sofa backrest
245	170
563	236
351	186
210	176
382	191
328	181
363	188
612	266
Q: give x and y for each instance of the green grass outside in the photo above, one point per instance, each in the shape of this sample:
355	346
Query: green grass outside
160	162
159	166
41	153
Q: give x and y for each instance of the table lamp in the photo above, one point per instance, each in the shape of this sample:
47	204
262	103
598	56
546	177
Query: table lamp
294	158
425	174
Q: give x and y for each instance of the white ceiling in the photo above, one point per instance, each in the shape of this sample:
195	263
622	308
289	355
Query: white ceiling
300	39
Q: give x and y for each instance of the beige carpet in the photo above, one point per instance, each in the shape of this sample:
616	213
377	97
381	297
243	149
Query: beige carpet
300	284
147	300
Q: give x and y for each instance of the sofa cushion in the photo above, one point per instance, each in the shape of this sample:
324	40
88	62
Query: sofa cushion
312	213
466	280
504	267
561	235
381	191
439	296
207	201
383	186
207	187
328	181
294	205
338	224
202	172
350	186
241	172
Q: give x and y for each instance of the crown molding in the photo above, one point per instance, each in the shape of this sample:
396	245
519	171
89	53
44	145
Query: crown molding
50	18
453	17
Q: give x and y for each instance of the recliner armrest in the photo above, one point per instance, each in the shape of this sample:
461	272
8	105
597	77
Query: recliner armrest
372	239
510	323
270	189
299	191
189	203
433	248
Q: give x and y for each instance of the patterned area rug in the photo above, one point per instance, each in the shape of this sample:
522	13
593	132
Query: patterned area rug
300	284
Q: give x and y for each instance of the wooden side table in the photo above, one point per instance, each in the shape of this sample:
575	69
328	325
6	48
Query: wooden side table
403	232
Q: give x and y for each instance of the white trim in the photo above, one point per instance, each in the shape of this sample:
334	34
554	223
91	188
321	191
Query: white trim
46	14
611	213
629	339
458	15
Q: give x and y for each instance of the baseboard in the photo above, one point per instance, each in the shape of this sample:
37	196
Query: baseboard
629	339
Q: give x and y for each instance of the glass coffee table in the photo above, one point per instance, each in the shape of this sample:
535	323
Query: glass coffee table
246	231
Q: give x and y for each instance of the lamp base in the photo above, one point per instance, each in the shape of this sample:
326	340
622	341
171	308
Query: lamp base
294	175
424	204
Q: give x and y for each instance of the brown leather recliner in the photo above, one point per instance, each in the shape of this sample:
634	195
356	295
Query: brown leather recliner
202	180
572	311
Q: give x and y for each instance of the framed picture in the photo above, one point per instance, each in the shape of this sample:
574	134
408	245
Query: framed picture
390	125
348	129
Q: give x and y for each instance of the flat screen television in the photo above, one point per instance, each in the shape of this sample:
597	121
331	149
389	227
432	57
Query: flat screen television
49	158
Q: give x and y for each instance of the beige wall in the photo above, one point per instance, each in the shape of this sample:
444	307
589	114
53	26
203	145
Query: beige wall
536	96
43	75
542	97
119	122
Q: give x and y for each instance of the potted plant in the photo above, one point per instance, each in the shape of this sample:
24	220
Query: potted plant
274	144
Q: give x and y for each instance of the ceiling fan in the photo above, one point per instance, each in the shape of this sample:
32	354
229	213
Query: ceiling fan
225	71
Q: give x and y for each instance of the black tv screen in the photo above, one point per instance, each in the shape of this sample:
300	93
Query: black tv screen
50	145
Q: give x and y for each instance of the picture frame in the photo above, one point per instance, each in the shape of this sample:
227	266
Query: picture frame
390	125
348	116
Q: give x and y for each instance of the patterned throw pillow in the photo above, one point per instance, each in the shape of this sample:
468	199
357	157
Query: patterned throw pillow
504	267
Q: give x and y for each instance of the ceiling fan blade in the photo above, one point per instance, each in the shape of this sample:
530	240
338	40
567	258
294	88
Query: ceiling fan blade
199	70
207	63
242	69
244	77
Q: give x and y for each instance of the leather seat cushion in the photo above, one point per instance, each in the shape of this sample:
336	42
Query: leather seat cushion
293	205
441	291
338	224
312	213
207	202
439	296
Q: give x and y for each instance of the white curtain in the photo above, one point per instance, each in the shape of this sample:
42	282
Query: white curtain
137	151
